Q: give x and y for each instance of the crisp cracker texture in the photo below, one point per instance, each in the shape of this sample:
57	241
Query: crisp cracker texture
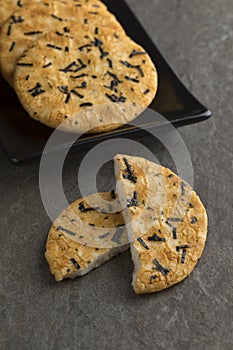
6	9
35	18
166	223
85	235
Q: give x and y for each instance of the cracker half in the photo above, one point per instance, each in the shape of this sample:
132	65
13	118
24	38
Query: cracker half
166	223
85	236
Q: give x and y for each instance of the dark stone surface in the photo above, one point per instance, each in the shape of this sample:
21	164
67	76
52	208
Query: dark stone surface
100	310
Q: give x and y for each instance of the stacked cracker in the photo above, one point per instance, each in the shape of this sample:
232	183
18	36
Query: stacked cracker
160	215
73	66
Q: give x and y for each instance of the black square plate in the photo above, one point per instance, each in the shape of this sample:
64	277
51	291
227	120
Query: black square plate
23	138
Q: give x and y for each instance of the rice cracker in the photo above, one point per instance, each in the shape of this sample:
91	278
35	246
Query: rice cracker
84	236
94	81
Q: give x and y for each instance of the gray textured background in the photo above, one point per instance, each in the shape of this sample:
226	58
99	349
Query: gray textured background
100	311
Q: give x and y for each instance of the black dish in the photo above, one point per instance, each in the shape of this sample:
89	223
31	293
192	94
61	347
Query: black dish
23	138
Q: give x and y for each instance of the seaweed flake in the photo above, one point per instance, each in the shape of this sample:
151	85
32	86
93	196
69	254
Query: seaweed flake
134	201
184	252
132	79
113	194
67	100
47	65
160	268
69	67
175	219
174	232
84	46
79	76
83	209
183	256
36	90
25	64
18	19
150	208
143	243
140	70
9	30
33	33
76	93
109	62
71	233
130	172
194	220
103	53
183	185
168	223
65	90
97	42
153	277
54	47
75	263
82	65
136	53
116	99
129	65
58	18
181	247
86	104
156	238
12	46
114	83
82	86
